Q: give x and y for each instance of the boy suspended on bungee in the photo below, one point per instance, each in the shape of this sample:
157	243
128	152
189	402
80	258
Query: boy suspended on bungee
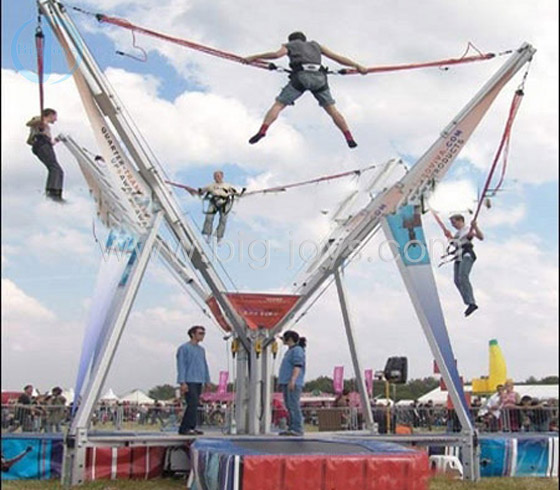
220	196
464	257
307	74
42	143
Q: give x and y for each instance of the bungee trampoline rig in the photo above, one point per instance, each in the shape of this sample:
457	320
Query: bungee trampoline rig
133	199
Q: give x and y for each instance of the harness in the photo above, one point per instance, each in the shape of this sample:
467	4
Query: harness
217	203
456	251
309	68
314	67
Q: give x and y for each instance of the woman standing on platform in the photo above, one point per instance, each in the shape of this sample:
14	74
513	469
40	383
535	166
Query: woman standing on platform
290	379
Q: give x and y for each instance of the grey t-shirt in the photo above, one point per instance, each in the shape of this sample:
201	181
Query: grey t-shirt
303	52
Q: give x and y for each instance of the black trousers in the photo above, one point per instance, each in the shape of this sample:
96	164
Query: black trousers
190	416
44	151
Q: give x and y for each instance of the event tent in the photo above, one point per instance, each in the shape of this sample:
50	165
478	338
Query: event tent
136	396
109	396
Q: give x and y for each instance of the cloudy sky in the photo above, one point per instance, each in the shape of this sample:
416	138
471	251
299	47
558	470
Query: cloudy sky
197	113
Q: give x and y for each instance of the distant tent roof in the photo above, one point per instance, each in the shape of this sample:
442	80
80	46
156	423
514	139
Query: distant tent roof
383	401
109	396
136	396
405	402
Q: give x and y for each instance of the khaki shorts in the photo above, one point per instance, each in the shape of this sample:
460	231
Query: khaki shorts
315	82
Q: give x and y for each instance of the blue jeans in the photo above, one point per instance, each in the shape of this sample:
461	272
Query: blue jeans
209	221
44	151
190	416
461	270
291	400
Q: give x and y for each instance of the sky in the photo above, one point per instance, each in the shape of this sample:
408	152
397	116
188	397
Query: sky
197	113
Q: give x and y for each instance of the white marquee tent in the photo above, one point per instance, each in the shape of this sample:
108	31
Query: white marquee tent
109	396
136	396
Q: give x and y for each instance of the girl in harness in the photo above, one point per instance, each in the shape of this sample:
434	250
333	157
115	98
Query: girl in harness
307	74
464	257
42	143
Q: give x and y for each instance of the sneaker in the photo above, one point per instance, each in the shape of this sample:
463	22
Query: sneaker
198	432
351	143
470	309
293	433
191	432
285	433
256	138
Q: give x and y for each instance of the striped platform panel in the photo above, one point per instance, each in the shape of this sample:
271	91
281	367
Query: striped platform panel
290	464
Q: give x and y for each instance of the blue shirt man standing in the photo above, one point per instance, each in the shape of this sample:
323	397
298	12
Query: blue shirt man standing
291	379
192	375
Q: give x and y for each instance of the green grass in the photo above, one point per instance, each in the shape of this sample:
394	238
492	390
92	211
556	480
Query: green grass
442	483
439	483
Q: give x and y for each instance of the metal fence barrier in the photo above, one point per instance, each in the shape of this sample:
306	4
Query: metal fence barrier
166	417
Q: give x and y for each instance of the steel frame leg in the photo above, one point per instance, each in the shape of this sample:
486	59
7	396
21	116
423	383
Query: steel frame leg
366	405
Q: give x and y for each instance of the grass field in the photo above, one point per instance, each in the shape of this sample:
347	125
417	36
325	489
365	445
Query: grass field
439	483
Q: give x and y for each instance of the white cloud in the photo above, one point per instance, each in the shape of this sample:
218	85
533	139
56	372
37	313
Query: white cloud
20	307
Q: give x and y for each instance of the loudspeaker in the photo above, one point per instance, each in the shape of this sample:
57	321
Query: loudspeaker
396	370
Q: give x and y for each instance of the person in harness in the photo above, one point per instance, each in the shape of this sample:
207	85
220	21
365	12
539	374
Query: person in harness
42	143
307	74
220	196
464	257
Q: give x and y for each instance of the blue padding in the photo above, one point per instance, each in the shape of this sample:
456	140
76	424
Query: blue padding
532	457
37	457
494	457
307	446
410	238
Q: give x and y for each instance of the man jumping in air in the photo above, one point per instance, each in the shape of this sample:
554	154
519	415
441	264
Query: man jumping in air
307	74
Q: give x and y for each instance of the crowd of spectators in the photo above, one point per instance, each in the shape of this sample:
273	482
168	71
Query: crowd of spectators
504	411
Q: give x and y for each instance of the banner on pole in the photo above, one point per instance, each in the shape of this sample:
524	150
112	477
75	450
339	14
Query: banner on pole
338	379
222	383
368	375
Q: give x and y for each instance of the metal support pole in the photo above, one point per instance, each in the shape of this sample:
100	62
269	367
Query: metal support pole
241	388
366	405
388	407
74	461
254	391
266	374
470	451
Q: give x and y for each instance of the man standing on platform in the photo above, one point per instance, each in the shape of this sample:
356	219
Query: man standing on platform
192	375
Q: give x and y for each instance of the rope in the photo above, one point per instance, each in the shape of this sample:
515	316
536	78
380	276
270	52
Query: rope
504	144
183	42
39	47
283	188
413	66
271	66
144	57
445	230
